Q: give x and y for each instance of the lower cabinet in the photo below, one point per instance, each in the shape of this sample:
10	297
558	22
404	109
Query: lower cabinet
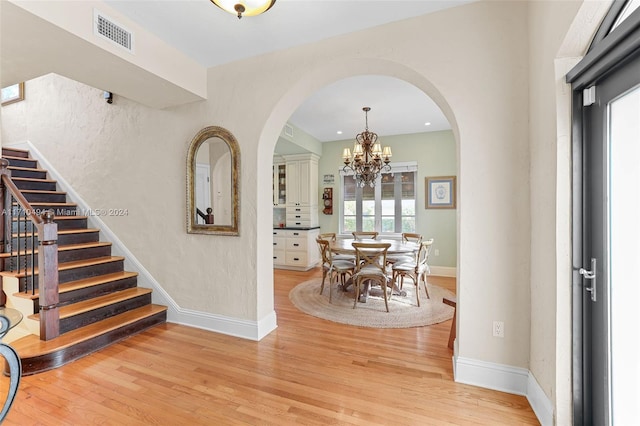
295	249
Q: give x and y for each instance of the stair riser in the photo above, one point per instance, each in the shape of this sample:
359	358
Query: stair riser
35	185
39	209
38	197
67	275
32	164
62	224
63	256
77	321
63	239
15	153
96	291
29	174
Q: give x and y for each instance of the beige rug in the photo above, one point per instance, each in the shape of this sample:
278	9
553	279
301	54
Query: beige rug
403	311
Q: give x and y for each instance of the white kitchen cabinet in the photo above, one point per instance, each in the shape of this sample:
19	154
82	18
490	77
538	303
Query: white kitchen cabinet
302	190
295	249
279	183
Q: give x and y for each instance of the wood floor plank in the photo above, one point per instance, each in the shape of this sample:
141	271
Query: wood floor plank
308	371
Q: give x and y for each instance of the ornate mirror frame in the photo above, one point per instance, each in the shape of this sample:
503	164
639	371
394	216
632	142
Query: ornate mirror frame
203	135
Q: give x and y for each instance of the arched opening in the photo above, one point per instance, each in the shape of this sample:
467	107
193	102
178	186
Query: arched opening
281	114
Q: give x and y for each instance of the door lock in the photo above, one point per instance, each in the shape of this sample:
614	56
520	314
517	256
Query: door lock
590	275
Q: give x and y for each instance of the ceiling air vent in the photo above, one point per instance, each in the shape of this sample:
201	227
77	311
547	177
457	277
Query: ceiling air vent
288	130
116	33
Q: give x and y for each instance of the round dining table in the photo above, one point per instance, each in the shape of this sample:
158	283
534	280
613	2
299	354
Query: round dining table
344	246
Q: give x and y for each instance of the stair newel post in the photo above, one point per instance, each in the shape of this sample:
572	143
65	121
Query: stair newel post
5	227
5	197
48	277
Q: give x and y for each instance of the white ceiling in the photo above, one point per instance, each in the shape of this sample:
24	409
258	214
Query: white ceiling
214	37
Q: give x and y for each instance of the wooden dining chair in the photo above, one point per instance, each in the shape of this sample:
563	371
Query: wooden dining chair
417	270
407	237
364	235
333	268
371	265
331	236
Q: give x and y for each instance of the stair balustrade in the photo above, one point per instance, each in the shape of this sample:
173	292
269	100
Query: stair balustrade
19	215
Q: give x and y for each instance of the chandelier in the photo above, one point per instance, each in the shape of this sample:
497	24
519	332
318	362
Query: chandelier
245	7
368	158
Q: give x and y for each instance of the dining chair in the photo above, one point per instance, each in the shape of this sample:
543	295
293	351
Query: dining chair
371	266
407	237
331	236
333	267
417	269
364	235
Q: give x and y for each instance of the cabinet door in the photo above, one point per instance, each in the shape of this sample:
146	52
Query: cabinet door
279	185
293	183
304	192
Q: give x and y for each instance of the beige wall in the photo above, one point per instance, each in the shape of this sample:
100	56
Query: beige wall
435	153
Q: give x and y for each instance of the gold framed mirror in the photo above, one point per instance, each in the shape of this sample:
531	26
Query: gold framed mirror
213	162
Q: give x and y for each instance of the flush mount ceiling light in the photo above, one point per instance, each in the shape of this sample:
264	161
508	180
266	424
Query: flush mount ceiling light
245	7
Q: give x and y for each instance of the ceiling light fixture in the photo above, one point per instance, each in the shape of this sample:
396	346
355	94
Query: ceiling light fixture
245	7
368	159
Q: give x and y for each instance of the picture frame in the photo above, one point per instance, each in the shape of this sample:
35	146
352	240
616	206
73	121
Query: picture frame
13	93
440	192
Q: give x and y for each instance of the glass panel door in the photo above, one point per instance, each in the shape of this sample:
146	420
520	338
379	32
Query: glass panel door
624	257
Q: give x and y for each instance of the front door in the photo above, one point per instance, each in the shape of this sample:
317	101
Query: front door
608	273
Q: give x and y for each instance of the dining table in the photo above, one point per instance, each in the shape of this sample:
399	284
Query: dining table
345	246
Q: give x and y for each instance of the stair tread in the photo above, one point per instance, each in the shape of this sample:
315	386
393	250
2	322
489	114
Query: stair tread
66	247
48	203
10	148
33	179
94	303
82	283
73	264
13	157
42	191
63	231
33	169
61	217
31	346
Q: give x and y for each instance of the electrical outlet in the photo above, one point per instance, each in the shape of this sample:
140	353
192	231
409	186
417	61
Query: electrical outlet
436	252
498	329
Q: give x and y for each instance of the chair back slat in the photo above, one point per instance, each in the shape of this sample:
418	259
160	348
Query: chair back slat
364	235
371	255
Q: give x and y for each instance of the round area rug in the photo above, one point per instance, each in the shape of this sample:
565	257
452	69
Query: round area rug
403	311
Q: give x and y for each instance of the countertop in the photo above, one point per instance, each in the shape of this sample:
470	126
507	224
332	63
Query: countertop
293	228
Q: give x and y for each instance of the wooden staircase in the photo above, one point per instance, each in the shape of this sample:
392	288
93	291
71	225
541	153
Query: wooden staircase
99	302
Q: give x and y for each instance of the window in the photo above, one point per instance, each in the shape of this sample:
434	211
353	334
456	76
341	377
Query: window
389	207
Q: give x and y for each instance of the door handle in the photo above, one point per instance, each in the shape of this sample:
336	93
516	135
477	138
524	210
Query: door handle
590	275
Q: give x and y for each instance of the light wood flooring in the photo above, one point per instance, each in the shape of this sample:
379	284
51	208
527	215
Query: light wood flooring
308	371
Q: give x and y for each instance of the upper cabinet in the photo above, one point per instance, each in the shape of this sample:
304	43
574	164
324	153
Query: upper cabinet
302	190
279	183
302	180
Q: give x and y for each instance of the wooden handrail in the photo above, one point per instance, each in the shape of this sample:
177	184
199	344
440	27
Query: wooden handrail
13	189
47	252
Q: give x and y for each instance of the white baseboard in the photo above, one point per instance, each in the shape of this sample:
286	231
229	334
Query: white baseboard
539	402
252	330
504	378
443	271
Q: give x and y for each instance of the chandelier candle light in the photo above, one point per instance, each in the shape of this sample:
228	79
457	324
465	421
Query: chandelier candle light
368	158
244	7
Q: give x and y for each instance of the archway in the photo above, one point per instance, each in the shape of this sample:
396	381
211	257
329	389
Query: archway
298	92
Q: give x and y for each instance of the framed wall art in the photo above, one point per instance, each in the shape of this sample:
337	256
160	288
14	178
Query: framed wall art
440	192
